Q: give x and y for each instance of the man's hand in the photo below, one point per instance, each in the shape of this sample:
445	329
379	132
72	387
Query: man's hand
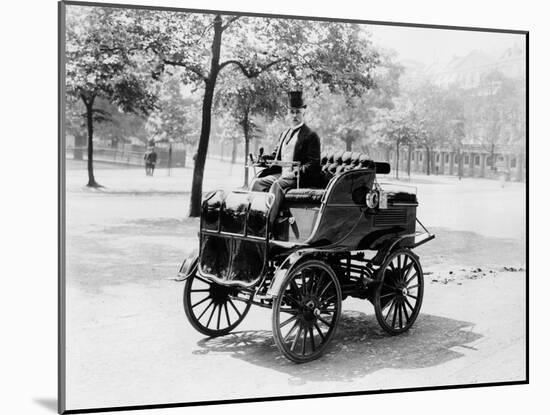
289	175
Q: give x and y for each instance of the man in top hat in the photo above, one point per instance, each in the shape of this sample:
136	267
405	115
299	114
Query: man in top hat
297	143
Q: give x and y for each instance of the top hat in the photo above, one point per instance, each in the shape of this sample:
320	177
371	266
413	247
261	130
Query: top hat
295	99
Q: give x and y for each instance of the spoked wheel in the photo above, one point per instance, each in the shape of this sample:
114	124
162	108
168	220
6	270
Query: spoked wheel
212	308
306	311
399	295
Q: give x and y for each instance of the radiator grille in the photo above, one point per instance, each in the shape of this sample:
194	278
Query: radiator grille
391	217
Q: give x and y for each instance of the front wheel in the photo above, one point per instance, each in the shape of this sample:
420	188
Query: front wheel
306	311
214	309
398	297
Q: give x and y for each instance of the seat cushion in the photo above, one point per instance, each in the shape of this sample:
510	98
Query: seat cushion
304	195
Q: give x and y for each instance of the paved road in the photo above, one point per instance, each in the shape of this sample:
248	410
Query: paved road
128	341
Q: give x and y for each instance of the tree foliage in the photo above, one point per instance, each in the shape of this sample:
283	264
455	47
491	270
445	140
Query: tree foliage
333	54
100	66
175	118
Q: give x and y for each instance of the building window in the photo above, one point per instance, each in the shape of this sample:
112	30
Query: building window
477	160
447	158
466	159
513	163
419	156
456	158
437	157
413	156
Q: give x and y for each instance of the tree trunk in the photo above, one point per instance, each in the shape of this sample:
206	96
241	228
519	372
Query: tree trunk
397	159
90	125
210	84
428	160
233	150
409	157
246	149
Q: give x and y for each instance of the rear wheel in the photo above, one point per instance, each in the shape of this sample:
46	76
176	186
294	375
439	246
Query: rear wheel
214	309
398	297
306	311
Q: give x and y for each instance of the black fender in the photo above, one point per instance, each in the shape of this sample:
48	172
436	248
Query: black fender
290	262
188	267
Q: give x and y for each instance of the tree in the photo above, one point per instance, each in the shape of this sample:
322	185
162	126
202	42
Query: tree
498	103
99	65
350	116
331	53
174	118
244	100
400	126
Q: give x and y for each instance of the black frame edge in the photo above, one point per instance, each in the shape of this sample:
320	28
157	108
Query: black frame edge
292	397
527	206
61	303
287	16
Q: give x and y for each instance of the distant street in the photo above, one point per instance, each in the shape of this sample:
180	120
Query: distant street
129	342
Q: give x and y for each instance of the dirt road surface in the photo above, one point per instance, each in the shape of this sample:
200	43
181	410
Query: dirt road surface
129	343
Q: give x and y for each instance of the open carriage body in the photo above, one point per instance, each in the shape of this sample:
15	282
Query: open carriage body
350	237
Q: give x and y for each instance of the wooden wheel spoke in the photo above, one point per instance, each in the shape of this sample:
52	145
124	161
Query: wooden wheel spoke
392	304
327	310
219	317
289	310
406	314
291	298
296	337
412	296
391	287
201	290
400	315
294	327
310	283
321	335
409	304
318	285
324	321
407	270
304	287
234	308
325	288
394	315
412	287
294	287
304	342
328	300
312	339
201	301
211	315
206	309
410	279
203	280
287	321
227	314
387	295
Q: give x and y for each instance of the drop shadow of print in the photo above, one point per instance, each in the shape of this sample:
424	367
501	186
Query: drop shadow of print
358	348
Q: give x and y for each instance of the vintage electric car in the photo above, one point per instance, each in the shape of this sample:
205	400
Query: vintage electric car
351	237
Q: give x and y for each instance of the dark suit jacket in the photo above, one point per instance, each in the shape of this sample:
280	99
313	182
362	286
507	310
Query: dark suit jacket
308	152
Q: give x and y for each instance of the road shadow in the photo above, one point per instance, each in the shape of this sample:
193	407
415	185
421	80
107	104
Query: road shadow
358	348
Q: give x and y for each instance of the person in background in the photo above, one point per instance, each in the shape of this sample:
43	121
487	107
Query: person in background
297	143
152	161
147	164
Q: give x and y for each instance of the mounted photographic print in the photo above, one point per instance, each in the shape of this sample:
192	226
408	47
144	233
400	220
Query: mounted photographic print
261	207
